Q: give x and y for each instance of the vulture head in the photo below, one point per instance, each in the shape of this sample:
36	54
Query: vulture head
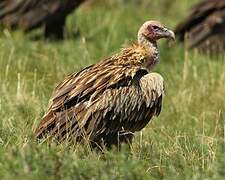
151	31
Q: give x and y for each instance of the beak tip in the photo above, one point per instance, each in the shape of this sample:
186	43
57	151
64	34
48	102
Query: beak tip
172	35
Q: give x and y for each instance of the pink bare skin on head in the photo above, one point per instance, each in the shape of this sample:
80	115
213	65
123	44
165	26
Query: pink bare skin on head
154	30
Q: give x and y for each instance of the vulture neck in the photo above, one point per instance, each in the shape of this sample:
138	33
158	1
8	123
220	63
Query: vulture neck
144	41
153	48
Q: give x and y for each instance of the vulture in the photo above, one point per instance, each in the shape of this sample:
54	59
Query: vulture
31	14
204	27
107	102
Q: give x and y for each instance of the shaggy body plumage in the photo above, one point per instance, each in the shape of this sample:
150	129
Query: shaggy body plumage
107	102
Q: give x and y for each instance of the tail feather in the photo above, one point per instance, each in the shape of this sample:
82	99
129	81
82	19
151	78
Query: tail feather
46	125
60	124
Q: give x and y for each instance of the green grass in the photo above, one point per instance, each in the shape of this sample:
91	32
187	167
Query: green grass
187	140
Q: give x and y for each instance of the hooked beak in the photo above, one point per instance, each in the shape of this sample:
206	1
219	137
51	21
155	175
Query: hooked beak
169	34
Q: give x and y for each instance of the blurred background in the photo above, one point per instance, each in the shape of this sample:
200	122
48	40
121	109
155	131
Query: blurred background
186	141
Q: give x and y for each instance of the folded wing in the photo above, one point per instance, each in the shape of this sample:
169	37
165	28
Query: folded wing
127	108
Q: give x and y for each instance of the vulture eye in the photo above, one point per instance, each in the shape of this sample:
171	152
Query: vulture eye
156	28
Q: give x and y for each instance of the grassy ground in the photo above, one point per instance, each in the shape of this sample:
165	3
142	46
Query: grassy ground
187	141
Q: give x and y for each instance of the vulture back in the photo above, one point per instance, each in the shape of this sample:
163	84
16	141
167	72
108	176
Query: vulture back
30	14
204	27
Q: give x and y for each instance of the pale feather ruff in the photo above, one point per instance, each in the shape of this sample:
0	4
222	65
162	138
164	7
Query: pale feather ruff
152	47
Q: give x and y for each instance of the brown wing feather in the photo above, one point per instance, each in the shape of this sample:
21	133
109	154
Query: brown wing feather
127	108
96	78
75	94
